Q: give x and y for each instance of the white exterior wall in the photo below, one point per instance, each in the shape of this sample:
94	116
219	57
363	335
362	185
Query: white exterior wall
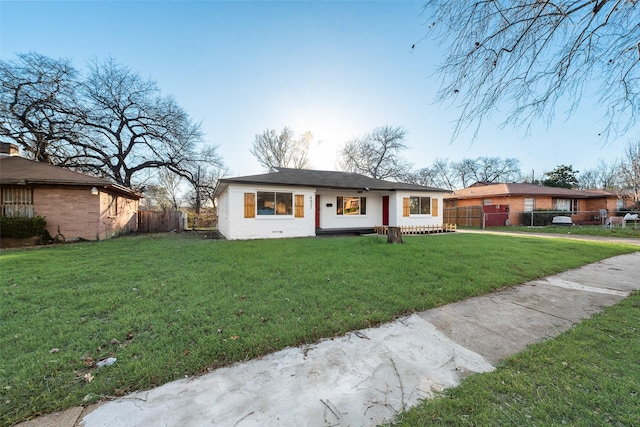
222	205
395	209
329	218
233	225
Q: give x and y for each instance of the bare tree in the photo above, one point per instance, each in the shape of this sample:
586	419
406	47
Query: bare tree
630	170
156	197
445	173
36	94
171	182
464	171
496	169
377	154
524	55
131	127
453	175
203	176
111	122
439	175
282	150
424	176
605	176
208	182
300	155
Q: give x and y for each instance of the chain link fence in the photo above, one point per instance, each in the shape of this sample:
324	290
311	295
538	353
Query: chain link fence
476	216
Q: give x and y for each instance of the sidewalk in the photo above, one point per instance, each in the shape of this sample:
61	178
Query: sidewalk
368	376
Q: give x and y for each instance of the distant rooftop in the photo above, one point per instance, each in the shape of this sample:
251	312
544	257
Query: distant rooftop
517	189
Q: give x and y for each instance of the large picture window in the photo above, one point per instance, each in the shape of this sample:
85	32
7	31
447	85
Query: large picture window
569	205
351	205
274	203
420	206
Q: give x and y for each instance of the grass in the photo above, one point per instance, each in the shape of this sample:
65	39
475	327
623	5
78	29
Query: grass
582	230
167	306
587	376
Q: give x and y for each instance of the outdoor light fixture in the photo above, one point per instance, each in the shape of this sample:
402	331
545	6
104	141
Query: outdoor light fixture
94	191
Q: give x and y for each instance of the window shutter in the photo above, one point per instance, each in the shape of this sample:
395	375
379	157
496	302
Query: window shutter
406	206
434	206
249	205
299	205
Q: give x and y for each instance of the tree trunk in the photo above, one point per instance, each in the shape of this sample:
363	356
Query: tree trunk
394	235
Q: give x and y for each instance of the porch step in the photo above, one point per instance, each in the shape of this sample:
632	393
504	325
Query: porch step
344	231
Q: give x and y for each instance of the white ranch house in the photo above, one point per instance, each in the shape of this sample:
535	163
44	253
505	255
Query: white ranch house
301	203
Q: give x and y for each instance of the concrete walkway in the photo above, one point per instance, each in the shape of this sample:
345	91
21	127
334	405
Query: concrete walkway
367	377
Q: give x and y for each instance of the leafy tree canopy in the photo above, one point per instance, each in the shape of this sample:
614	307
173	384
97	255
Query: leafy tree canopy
562	176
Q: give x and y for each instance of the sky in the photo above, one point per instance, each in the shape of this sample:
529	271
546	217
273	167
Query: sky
337	69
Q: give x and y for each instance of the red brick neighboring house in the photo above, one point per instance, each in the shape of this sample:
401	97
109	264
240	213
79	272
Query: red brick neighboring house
514	199
75	205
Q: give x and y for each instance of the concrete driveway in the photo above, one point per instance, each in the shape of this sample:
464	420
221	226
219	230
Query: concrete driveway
367	377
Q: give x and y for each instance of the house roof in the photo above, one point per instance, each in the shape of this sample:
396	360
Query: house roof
16	170
530	190
321	179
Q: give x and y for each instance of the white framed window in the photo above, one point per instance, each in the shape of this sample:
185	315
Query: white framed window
351	205
569	205
274	203
420	205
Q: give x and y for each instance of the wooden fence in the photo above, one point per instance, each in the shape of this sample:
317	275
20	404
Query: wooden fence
418	229
463	216
161	221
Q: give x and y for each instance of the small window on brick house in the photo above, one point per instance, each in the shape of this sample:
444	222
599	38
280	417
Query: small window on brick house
528	204
17	201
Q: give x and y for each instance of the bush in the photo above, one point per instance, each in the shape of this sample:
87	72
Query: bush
542	217
20	227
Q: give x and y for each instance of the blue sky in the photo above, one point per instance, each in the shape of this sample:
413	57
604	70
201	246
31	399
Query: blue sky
335	68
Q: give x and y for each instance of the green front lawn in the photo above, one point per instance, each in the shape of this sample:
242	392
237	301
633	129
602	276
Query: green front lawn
166	306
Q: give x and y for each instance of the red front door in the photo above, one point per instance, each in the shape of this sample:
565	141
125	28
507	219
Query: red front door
317	211
385	210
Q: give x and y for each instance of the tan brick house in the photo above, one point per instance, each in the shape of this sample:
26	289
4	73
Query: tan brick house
504	203
75	205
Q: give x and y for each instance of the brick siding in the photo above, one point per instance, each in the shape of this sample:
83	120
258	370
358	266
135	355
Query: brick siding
75	213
